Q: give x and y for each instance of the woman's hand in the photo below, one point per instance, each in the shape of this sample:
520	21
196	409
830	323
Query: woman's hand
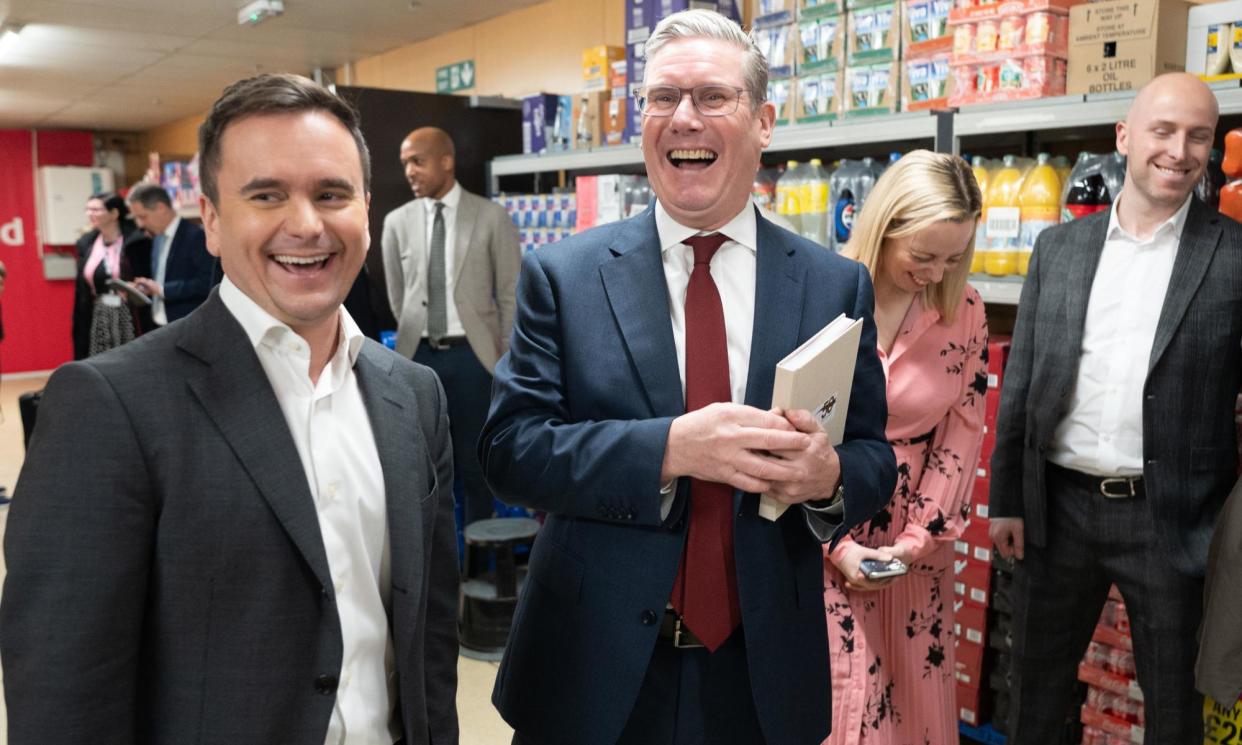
847	562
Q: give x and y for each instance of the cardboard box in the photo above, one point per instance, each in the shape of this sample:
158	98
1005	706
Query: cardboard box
924	28
969	701
926	84
782	94
1118	45
870	89
1199	22
972	578
590	113
597	65
874	34
818	8
547	123
819	96
821	44
771	12
615	124
779	45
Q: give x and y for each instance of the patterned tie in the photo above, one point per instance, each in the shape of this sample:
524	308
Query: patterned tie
437	308
705	593
158	273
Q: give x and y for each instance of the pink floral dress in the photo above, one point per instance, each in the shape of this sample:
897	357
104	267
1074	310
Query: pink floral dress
891	651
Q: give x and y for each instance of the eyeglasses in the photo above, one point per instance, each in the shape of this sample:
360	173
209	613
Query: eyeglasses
709	100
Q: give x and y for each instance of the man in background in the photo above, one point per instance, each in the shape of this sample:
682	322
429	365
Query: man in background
180	266
1116	443
451	261
241	530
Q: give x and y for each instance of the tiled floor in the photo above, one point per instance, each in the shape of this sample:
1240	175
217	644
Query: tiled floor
480	724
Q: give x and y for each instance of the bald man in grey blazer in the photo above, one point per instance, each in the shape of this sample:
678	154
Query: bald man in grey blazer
451	260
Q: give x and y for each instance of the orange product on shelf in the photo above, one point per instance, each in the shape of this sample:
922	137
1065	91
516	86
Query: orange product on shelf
1040	205
963	39
1012	33
1004	219
1232	164
987	34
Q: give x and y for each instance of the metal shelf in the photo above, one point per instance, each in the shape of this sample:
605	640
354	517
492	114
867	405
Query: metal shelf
570	160
888	128
997	290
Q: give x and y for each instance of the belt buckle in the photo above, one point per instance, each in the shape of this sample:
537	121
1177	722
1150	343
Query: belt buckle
437	344
1129	490
679	633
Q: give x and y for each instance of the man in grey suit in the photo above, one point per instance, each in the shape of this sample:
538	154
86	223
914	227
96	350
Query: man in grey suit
238	529
451	260
1115	441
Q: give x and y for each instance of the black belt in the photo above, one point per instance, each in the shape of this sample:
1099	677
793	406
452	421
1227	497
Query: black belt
1112	487
675	630
445	342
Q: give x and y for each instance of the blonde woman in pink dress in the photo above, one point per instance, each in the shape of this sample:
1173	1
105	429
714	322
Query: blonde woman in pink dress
891	641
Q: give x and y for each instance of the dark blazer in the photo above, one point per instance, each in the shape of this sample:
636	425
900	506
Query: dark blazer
580	415
1219	670
167	578
1193	375
84	297
188	273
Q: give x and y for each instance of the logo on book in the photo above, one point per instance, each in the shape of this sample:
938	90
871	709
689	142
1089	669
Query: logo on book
824	413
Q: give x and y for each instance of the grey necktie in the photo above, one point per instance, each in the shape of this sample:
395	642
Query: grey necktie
437	309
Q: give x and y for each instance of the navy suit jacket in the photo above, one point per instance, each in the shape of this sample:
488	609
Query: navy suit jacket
188	273
580	415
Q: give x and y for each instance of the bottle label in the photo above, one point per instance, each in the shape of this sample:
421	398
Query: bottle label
1003	224
1075	211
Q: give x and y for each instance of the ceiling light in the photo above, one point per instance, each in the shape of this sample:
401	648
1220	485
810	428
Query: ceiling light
9	36
259	10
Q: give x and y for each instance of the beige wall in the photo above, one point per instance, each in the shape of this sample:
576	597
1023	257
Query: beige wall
526	51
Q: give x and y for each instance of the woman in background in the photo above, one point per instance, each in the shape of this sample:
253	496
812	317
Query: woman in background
101	317
891	640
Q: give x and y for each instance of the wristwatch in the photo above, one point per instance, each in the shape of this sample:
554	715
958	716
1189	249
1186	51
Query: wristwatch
834	504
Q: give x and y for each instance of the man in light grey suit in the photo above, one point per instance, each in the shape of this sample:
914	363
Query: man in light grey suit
451	259
1115	440
238	529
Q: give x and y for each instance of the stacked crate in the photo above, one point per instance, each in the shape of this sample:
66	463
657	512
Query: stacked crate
1113	713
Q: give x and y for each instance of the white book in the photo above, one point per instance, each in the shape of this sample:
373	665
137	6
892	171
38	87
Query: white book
818	376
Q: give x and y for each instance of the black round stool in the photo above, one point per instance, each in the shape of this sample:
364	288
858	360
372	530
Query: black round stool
491	583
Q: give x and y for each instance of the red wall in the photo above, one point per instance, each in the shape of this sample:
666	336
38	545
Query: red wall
37	312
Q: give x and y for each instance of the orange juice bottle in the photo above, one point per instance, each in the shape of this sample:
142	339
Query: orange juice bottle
1004	219
1039	205
978	165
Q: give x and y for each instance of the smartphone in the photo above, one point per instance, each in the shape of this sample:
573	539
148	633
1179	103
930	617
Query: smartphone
876	569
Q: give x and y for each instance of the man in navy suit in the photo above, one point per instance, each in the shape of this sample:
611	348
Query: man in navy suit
633	407
181	267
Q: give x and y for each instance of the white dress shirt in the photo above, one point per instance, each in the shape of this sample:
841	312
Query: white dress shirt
450	200
160	270
332	433
1102	432
733	269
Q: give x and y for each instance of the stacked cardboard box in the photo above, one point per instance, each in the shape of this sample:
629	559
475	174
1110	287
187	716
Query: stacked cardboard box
1113	713
1009	51
873	55
820	61
776	33
540	218
927	43
547	123
608	198
972	566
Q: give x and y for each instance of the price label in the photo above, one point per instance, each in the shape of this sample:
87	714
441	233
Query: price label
1222	724
1003	223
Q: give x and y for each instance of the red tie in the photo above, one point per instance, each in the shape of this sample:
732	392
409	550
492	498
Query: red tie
705	593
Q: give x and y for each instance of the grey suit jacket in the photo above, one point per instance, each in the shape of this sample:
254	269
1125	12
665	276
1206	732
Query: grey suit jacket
167	578
1219	670
488	258
1193	375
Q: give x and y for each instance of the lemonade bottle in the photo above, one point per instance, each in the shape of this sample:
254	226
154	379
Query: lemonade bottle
788	198
1004	219
978	165
814	201
1039	204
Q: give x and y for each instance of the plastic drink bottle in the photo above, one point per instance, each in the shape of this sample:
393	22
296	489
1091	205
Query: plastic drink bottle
1039	203
842	188
788	196
982	176
814	201
1004	219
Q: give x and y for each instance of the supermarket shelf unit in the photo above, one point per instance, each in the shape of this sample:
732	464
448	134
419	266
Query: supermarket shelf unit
944	130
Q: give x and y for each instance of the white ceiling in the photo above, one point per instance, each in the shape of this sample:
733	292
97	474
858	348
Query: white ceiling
136	64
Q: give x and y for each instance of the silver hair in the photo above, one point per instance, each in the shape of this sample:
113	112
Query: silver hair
700	24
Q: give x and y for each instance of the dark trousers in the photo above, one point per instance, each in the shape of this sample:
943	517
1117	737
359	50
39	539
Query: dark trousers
468	392
692	697
1061	588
